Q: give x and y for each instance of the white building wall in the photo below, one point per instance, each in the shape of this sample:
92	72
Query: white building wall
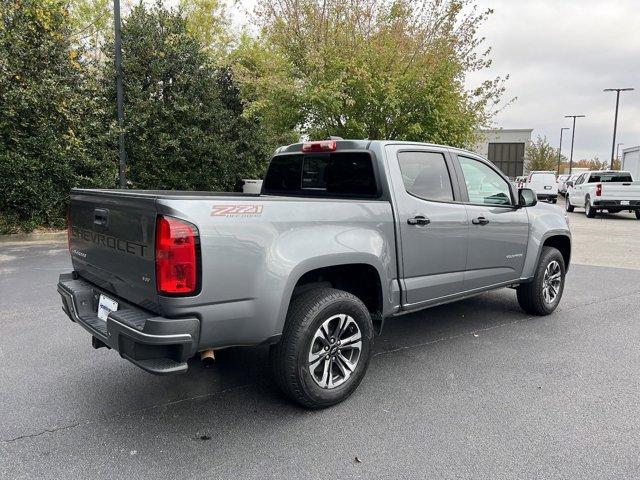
631	161
502	135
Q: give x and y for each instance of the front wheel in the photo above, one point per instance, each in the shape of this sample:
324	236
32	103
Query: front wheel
325	348
543	294
567	204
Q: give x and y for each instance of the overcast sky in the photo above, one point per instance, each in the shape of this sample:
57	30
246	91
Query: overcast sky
560	55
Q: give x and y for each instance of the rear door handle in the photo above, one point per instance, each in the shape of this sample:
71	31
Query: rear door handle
480	221
418	220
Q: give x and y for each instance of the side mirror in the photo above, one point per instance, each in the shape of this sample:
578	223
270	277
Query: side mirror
527	197
569	183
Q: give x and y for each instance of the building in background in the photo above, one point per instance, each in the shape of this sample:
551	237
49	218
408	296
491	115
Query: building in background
631	161
505	148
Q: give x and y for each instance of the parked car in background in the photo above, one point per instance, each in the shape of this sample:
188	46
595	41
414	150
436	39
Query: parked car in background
345	234
562	183
544	184
613	191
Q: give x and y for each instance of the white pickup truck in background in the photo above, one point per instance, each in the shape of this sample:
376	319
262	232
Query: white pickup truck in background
609	190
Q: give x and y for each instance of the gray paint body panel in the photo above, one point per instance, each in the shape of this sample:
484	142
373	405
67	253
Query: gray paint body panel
251	262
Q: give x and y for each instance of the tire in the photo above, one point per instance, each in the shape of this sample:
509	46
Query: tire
303	338
637	214
567	205
531	296
589	211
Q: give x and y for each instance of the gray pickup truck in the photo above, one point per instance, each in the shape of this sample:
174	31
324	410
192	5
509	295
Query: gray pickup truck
345	235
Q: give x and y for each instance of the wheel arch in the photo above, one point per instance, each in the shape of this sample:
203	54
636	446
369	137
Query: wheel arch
562	243
363	277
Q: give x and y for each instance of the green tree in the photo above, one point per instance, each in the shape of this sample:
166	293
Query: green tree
540	155
183	115
46	116
91	24
368	69
207	21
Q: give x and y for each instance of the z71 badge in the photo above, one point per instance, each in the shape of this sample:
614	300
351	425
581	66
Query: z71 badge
236	210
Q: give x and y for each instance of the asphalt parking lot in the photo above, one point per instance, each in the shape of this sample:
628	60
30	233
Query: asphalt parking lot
475	389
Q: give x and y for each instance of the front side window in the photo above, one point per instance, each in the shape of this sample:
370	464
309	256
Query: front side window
425	175
484	185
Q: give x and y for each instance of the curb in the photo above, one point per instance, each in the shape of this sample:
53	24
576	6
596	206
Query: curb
44	237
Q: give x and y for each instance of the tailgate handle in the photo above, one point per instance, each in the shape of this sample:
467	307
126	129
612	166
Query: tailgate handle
101	216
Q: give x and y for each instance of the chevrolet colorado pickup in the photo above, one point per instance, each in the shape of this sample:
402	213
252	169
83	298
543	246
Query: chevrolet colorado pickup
609	190
344	235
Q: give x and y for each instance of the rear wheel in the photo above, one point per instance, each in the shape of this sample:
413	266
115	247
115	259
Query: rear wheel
567	204
325	348
543	294
589	211
638	214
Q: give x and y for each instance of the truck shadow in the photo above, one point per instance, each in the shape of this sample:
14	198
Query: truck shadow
243	366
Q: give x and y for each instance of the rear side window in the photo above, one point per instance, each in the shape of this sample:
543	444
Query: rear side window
610	177
337	174
425	175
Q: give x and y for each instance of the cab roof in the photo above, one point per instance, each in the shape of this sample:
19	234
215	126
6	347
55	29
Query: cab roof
351	144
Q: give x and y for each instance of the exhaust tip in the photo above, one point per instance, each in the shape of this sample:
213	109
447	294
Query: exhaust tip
208	358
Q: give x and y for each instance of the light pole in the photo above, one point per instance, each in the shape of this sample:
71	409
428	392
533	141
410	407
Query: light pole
122	154
560	148
573	136
615	121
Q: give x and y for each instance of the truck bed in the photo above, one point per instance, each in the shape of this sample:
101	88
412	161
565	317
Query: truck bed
250	245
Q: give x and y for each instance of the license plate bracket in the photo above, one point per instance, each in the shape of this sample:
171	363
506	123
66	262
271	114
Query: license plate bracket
106	305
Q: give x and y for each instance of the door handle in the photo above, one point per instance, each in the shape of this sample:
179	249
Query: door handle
418	220
480	221
101	216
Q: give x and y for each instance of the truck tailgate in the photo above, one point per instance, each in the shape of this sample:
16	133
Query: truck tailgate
111	241
621	191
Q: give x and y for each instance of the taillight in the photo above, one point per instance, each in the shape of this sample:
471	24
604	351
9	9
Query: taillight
319	146
176	256
598	190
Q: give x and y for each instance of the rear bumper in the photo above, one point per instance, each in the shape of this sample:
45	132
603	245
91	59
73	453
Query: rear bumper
156	344
633	204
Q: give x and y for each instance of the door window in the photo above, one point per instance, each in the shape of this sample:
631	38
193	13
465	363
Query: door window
425	175
484	185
